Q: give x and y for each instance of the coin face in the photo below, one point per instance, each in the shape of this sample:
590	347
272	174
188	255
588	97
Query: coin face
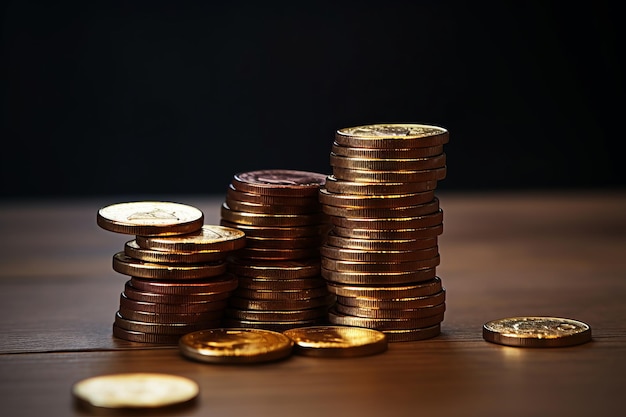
150	218
235	345
392	136
279	182
209	237
536	331
337	341
135	390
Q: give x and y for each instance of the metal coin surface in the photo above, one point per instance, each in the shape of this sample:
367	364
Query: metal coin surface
393	135
536	331
335	185
135	390
337	341
126	265
235	345
386	153
132	249
150	218
356	175
279	182
209	237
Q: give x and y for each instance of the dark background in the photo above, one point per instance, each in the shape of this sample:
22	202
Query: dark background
176	97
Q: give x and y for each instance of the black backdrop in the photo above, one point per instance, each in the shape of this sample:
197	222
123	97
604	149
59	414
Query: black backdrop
176	97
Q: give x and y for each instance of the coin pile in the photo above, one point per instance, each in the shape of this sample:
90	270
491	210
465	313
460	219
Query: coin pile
280	286
381	254
179	281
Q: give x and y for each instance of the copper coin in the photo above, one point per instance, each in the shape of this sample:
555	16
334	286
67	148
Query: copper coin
300	268
277	315
284	243
276	326
378	278
234	194
278	254
271	220
272	232
376	164
143	337
374	244
335	317
386	153
280	283
221	283
249	304
162	328
279	182
374	200
391	313
395	223
382	267
435	174
412	335
149	317
388	292
160	218
152	297
360	255
402	302
337	186
392	135
246	206
286	294
152	270
389	234
153	307
384	212
133	250
208	238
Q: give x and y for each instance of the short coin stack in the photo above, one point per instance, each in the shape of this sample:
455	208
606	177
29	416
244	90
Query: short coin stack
280	286
178	274
381	254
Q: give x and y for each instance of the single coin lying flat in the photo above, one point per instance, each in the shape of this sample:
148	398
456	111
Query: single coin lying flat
536	331
135	390
337	341
235	345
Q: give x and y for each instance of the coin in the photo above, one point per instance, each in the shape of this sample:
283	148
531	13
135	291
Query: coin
134	267
271	220
235	345
208	238
386	153
337	341
160	218
412	335
133	250
377	164
536	331
356	175
234	194
378	278
334	185
279	182
135	390
374	200
301	268
162	328
221	283
392	135
394	223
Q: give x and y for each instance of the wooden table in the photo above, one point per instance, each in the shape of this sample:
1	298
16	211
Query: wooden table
502	254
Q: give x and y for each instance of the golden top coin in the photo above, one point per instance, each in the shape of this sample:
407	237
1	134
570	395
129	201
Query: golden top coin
235	345
150	218
536	331
392	135
337	341
209	237
279	182
135	390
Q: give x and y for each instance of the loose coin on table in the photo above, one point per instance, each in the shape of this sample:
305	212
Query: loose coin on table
337	341
235	345
150	218
134	390
536	331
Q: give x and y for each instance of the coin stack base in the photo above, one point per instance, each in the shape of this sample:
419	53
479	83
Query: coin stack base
381	254
280	286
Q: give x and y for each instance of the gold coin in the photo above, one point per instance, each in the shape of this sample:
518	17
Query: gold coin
376	164
126	265
360	255
357	175
378	292
383	323
378	278
388	234
394	223
302	268
135	390
272	232
375	244
401	302
133	250
375	200
279	182
235	345
392	135
150	218
386	153
412	335
384	212
271	220
334	185
536	331
337	341
208	238
234	194
375	267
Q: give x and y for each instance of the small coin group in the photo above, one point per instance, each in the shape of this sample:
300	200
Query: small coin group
178	279
381	254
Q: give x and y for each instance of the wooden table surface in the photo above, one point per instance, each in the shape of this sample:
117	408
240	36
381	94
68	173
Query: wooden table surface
502	254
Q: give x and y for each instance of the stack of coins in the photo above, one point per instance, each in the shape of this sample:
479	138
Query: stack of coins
179	281
280	286
380	256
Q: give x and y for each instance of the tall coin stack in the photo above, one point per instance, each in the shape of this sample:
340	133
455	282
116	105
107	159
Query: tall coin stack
280	286
380	256
178	274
